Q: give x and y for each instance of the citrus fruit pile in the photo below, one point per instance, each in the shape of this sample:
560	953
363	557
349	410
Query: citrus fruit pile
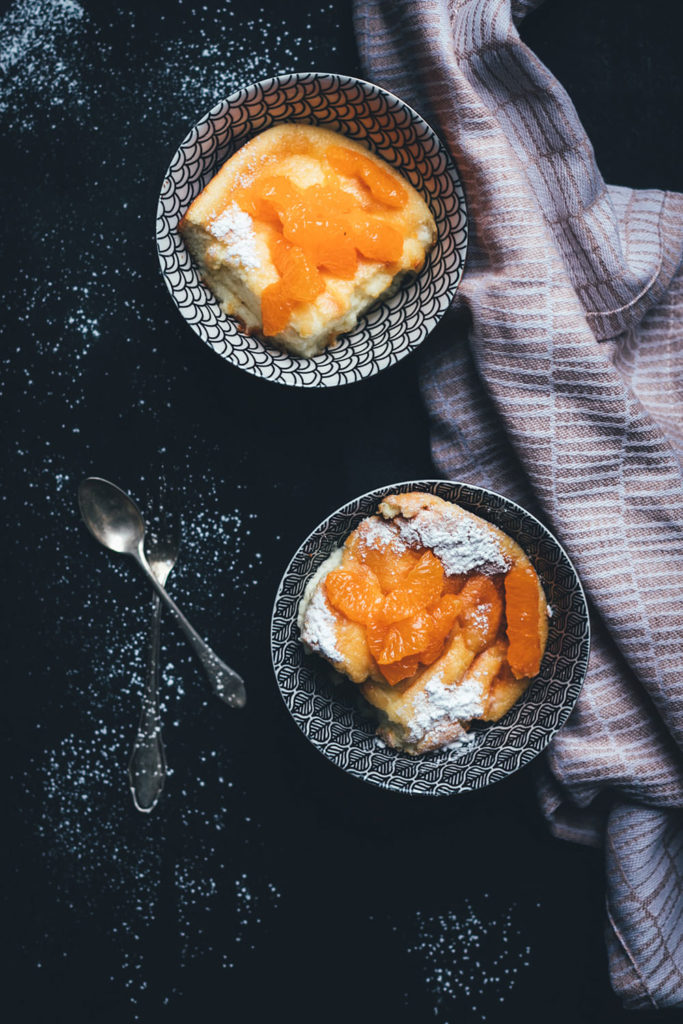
322	228
410	608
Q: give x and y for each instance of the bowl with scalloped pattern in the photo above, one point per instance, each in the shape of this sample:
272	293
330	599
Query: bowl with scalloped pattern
382	122
331	715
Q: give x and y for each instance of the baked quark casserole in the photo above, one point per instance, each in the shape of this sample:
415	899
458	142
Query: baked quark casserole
437	615
301	231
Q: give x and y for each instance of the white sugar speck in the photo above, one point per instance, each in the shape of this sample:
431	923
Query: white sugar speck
469	958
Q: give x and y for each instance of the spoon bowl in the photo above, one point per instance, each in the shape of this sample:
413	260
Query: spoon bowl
111	516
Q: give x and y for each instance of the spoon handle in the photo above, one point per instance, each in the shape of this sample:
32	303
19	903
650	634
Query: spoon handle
147	765
225	682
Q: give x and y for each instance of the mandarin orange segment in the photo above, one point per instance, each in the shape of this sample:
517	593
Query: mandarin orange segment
382	185
300	278
267	198
443	619
340	259
279	190
400	670
328	200
273	196
245	199
376	634
522	610
389	566
299	282
258	207
482	611
375	239
421	587
355	592
323	238
276	309
407	637
336	256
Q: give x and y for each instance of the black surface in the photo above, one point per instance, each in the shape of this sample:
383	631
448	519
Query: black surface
357	898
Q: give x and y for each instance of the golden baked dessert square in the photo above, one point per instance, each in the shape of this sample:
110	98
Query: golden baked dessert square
437	615
301	231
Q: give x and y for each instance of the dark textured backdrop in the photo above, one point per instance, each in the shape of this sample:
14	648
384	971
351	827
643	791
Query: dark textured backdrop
266	880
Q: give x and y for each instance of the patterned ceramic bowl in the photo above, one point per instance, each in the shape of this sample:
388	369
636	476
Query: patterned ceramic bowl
330	715
383	123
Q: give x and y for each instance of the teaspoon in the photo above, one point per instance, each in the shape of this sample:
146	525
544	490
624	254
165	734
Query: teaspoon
147	764
115	521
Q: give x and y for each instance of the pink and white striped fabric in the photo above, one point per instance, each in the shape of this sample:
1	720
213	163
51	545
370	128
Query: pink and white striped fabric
558	380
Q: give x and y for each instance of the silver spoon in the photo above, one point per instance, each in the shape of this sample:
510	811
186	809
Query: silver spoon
147	764
115	521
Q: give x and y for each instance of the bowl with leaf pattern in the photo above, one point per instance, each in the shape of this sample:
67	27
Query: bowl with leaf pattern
332	716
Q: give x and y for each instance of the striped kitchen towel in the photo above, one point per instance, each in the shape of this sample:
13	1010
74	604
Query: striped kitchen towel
557	379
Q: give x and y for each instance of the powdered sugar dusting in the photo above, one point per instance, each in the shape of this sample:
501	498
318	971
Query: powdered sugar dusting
379	534
438	704
41	47
316	619
235	231
458	540
479	617
319	627
61	62
55	59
